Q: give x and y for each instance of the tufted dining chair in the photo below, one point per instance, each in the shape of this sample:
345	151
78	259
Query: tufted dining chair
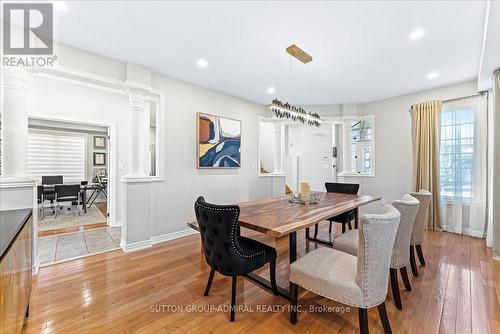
417	234
344	218
348	242
355	281
225	250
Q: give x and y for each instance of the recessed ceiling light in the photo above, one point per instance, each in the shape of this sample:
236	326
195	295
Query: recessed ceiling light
432	75
417	34
271	90
202	63
60	6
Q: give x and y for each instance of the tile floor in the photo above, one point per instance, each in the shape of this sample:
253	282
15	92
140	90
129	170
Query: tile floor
61	247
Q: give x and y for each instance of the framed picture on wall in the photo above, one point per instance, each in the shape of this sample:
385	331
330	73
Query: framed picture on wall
219	142
99	142
99	159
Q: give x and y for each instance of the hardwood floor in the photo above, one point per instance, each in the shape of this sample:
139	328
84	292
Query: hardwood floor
71	229
123	293
101	206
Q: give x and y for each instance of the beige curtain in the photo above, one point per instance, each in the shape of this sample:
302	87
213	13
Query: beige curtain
425	121
496	164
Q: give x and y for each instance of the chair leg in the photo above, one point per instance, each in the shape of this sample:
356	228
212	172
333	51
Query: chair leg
420	254
294	301
404	276
209	283
315	231
343	227
382	312
272	269
395	288
413	264
233	297
330	228
363	320
349	224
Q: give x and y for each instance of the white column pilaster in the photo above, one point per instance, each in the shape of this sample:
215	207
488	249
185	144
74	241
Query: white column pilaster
279	147
14	123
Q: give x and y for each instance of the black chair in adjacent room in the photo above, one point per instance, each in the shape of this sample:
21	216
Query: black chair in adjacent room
347	217
52	179
226	251
40	201
67	193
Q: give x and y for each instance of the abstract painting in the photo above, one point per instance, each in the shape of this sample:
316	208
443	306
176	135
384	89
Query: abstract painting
219	142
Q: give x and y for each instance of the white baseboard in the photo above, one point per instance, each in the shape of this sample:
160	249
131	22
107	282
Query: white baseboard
171	236
156	240
135	246
464	231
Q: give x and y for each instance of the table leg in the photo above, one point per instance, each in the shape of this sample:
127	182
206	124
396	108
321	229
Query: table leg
315	239
84	201
292	247
90	198
356	218
292	250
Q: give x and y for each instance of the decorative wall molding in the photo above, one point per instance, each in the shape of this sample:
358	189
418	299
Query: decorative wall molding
15	79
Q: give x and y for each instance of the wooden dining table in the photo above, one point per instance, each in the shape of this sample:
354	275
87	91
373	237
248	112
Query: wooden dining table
277	217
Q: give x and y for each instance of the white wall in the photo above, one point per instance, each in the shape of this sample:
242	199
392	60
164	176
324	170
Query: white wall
313	145
393	138
267	145
172	200
65	101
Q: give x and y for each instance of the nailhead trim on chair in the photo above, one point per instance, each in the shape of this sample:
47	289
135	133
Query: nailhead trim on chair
232	229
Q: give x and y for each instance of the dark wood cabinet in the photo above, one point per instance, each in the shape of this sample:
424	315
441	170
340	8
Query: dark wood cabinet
16	243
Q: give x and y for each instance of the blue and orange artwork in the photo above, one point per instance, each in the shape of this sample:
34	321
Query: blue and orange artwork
219	142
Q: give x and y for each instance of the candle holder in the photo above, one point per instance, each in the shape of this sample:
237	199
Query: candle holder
295	198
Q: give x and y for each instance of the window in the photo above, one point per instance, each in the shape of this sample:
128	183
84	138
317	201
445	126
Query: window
152	124
457	150
361	136
57	153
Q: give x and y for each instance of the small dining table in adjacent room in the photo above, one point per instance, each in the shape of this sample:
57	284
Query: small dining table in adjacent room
278	217
96	188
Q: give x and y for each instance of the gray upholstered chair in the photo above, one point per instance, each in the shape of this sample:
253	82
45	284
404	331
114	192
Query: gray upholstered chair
417	234
355	281
348	242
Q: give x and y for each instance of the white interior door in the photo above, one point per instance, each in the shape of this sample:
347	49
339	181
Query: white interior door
316	156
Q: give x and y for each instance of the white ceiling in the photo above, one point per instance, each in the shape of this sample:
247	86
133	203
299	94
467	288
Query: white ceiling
362	50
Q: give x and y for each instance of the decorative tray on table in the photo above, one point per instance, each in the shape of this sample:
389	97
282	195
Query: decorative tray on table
295	198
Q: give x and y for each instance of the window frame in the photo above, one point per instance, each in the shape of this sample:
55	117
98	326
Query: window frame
347	145
457	137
